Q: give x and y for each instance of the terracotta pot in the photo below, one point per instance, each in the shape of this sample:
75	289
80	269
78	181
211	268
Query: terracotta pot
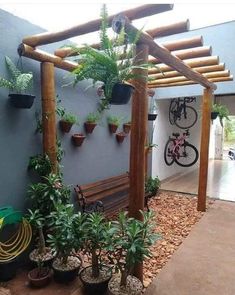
89	127
120	137
39	278
65	126
21	101
127	127
92	286
78	139
113	128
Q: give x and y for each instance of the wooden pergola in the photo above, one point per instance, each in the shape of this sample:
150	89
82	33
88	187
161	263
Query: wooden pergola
181	62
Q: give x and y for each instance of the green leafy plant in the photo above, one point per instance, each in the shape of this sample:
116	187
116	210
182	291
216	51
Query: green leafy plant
37	220
152	185
115	120
20	82
63	238
222	111
93	117
96	231
112	64
67	116
130	241
40	164
44	195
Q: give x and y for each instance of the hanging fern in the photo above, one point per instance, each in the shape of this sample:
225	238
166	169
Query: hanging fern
20	82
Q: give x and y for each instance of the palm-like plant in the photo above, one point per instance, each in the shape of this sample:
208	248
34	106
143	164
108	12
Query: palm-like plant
20	82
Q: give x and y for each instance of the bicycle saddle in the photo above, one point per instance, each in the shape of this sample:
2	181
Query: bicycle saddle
176	134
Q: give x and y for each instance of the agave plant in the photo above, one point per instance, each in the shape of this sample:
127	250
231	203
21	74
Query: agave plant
20	82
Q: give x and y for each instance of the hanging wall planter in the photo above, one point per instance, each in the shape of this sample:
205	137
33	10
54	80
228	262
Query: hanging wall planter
21	101
120	137
214	115
152	117
121	93
78	139
89	127
126	127
113	128
65	126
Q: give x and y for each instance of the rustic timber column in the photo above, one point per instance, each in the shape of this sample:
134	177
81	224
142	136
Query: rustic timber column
138	139
204	149
49	112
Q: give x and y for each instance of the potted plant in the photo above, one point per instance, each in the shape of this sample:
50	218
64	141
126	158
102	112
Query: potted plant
127	127
221	111
78	139
63	239
41	254
40	276
152	186
120	137
67	119
112	64
44	195
129	245
20	83
91	122
41	164
95	277
113	122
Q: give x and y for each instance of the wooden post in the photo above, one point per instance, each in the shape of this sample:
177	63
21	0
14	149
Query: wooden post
49	112
138	139
204	149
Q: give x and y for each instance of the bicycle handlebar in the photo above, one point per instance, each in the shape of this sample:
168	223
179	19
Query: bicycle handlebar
189	99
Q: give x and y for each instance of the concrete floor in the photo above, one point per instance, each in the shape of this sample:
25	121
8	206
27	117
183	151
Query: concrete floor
221	176
205	262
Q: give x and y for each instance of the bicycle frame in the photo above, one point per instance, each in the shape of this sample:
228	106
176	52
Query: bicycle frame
178	142
181	106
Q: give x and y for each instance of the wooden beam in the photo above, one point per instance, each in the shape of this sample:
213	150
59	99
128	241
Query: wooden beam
42	56
187	53
206	69
192	63
204	148
92	26
171	29
190	82
170	45
138	139
218	74
49	113
183	43
162	53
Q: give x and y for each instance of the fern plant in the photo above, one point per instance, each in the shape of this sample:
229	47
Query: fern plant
20	82
112	64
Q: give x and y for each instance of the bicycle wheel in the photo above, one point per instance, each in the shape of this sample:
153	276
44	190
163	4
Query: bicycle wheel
172	111
188	119
188	155
168	156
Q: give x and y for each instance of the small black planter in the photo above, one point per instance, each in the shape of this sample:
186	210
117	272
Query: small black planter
152	117
121	93
214	115
8	270
65	276
22	101
97	288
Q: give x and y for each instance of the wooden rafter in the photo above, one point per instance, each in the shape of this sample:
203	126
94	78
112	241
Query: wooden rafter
92	26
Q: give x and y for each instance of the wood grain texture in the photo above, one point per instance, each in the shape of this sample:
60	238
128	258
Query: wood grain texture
49	113
204	148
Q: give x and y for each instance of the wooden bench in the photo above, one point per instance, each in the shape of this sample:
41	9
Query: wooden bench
109	195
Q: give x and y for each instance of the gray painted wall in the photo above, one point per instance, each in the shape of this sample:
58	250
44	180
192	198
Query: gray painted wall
100	156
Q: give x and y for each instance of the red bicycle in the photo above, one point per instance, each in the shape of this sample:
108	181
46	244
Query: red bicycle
179	150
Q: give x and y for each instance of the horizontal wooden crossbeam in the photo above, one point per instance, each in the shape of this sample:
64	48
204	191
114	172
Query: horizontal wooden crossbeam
92	26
